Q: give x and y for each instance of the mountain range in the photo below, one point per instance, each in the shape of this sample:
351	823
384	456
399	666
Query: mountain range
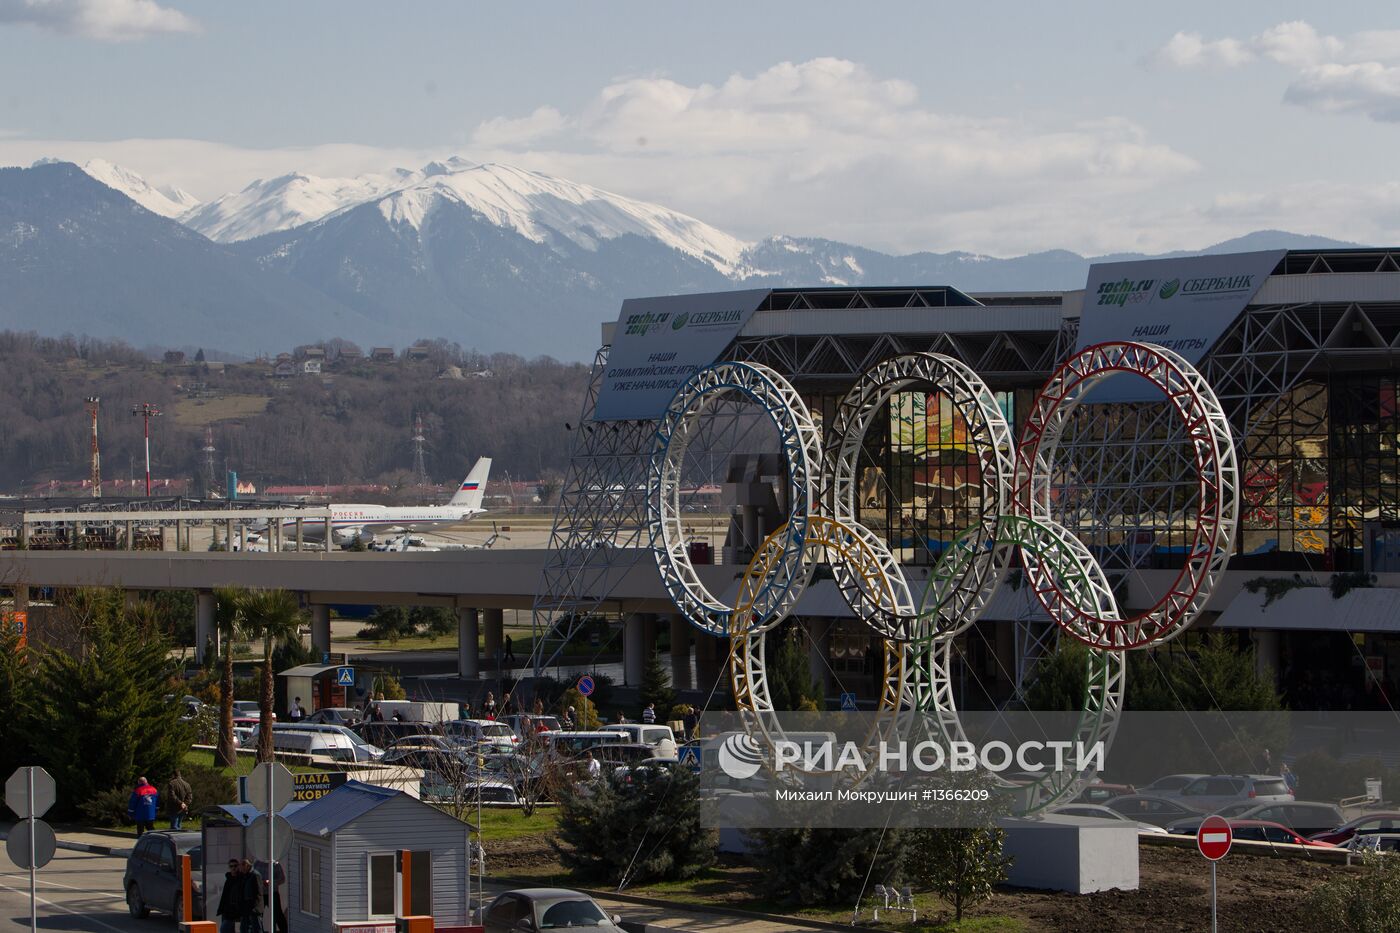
491	256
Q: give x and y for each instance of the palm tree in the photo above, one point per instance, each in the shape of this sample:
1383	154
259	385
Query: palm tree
228	619
275	616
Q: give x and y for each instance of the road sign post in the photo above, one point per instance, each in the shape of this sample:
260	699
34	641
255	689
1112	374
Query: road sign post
30	791
586	685
271	787
1213	839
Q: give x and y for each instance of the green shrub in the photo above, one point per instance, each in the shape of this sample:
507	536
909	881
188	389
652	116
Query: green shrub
210	786
825	866
1365	901
643	831
106	808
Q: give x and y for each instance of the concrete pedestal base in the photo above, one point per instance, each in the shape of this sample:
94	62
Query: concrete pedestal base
1075	854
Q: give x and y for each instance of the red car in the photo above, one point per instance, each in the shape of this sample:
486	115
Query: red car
1388	822
1264	831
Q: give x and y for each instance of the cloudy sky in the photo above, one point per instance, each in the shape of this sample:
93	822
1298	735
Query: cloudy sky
998	127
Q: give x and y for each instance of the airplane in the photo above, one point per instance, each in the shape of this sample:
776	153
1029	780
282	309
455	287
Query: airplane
364	521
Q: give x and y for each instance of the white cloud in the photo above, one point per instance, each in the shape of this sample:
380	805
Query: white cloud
1334	74
825	147
1367	87
1189	50
107	20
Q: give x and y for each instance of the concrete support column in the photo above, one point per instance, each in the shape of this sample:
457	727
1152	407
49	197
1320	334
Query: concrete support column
179	534
680	652
710	652
21	599
243	538
1266	653
320	628
299	535
495	620
468	650
649	621
205	634
330	536
634	656
130	540
819	651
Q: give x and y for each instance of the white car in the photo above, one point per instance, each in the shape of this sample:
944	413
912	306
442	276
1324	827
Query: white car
1208	794
545	909
660	738
1098	812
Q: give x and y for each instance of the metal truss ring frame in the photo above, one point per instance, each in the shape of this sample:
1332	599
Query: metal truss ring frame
958	590
930	677
1217	482
800	440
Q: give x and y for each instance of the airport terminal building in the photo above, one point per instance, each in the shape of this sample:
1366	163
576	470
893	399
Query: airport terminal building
1299	346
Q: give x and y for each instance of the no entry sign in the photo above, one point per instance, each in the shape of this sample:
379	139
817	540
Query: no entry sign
1214	838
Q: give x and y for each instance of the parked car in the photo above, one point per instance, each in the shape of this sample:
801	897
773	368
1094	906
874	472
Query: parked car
482	732
1365	824
1264	831
429	752
544	909
1304	817
386	733
660	738
152	876
1383	843
1147	808
1169	785
335	716
574	744
250	708
526	725
1209	794
336	742
1100	812
1099	792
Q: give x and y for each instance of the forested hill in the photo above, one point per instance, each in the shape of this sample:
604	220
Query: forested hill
351	423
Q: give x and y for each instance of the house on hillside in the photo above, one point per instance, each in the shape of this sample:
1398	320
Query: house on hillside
381	355
311	367
349	354
284	369
313	353
174	357
417	353
362	855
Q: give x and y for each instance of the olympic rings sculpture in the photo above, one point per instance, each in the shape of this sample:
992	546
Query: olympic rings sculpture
1013	513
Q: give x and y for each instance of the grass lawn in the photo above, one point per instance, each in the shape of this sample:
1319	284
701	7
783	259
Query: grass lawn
497	824
196	756
736	887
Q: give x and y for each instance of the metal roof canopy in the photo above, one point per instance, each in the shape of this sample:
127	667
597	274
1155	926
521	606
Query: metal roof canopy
1312	609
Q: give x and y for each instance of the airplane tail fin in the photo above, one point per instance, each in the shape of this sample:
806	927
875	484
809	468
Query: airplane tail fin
474	486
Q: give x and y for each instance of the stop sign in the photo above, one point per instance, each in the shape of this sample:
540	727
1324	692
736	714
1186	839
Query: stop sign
1214	838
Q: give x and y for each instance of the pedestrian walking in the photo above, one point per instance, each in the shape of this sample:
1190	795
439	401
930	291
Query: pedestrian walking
488	708
595	770
568	722
692	722
230	909
143	806
1290	778
273	894
294	712
510	653
649	714
251	898
179	797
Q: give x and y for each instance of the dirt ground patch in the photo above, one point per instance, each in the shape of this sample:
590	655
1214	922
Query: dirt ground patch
1257	893
197	412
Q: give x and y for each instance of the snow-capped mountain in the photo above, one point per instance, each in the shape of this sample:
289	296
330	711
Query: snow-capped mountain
167	201
269	205
541	208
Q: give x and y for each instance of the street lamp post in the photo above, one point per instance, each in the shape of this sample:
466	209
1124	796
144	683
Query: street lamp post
147	411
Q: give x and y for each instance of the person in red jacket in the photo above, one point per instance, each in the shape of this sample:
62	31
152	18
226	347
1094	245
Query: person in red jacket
143	805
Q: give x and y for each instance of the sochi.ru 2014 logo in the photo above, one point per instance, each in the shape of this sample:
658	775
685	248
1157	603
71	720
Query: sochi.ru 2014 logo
740	757
680	320
1169	288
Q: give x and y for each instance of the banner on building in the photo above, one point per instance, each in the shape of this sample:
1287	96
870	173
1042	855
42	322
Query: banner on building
1183	304
660	342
